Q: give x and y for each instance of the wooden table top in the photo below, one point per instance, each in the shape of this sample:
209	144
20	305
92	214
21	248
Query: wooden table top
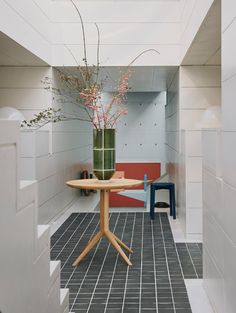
96	184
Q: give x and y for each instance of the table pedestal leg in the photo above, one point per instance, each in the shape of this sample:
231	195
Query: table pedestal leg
104	231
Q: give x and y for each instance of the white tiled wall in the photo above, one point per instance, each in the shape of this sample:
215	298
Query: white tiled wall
198	91
219	182
141	134
53	154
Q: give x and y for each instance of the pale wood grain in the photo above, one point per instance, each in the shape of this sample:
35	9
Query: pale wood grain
104	188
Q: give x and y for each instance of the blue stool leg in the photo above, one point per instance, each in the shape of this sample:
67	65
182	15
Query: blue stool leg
152	202
171	200
173	203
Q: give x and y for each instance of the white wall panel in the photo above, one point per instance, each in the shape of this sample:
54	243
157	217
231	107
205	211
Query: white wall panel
194	169
229	275
228	13
212	196
220	194
19	99
213	283
229	157
228	53
228	211
213	239
23	77
200	76
199	89
193	221
194	194
193	143
200	98
191	119
229	108
212	147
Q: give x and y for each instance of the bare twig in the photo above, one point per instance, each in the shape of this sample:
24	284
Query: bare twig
83	33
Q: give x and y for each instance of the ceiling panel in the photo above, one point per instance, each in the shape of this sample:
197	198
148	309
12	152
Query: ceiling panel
206	46
13	54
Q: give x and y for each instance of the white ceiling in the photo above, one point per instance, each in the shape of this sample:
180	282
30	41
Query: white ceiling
206	46
13	54
143	78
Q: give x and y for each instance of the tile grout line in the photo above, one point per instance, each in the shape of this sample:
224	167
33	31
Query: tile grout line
72	235
71	309
104	260
154	266
191	260
167	265
76	245
115	265
91	261
141	266
127	272
180	264
65	231
112	289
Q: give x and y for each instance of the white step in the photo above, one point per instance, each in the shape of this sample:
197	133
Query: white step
64	300
27	193
55	268
43	238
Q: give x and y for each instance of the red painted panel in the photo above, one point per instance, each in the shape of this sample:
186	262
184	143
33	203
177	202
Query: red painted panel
135	171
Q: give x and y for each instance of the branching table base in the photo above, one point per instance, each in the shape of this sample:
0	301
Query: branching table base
105	232
104	214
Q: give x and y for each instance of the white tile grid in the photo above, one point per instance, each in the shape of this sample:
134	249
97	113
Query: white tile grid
95	230
194	290
167	266
154	268
104	260
197	296
141	265
76	217
86	270
127	272
192	261
113	275
80	205
76	243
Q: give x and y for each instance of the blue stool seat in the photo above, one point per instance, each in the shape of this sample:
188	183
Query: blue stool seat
171	188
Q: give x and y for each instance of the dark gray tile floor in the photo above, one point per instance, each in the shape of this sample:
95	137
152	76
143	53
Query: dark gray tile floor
104	283
190	255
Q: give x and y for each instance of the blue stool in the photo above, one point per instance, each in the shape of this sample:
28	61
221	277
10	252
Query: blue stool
171	188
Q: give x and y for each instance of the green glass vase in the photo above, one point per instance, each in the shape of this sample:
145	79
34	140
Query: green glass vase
104	153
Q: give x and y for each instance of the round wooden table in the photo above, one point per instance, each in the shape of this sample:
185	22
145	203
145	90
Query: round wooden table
104	187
